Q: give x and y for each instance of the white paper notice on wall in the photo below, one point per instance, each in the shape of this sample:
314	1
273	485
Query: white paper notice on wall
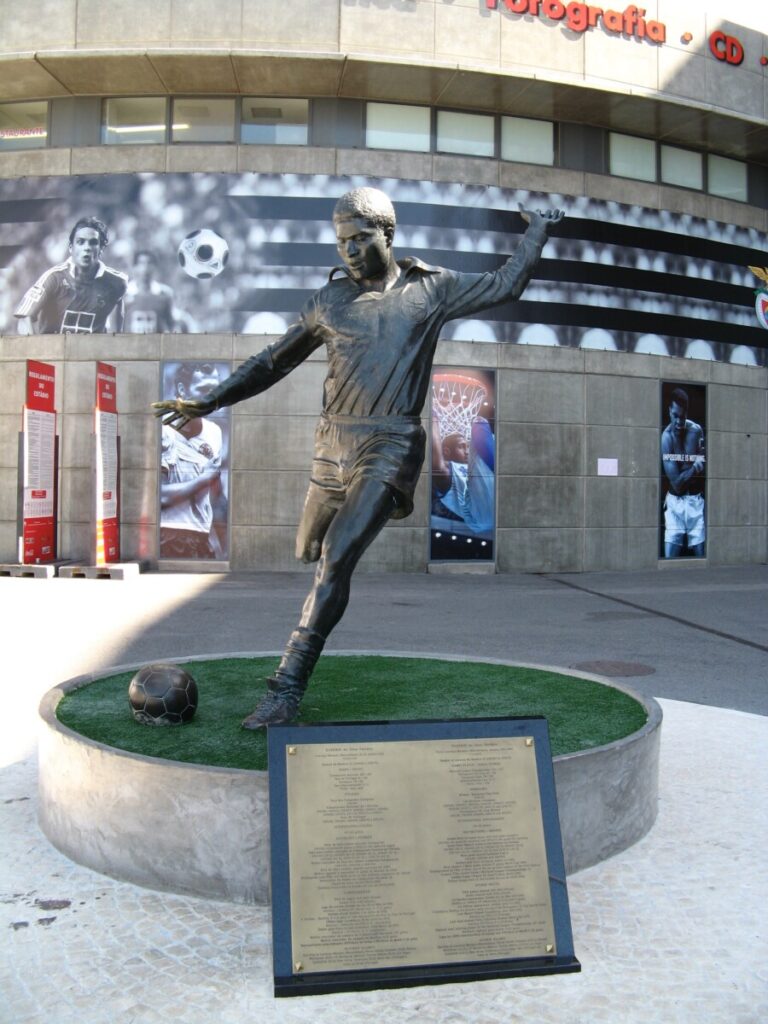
607	467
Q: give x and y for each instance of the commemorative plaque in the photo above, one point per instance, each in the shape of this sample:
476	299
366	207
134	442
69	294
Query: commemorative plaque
415	852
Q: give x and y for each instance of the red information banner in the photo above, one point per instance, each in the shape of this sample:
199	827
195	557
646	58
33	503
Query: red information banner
107	473
38	542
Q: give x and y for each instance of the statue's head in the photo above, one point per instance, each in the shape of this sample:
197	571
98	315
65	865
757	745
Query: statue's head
369	204
364	220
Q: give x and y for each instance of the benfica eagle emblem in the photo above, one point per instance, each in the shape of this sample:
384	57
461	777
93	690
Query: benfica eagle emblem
761	296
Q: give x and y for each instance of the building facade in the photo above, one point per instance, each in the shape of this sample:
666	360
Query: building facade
237	125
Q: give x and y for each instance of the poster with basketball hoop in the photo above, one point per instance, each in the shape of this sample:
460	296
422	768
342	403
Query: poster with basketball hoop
463	467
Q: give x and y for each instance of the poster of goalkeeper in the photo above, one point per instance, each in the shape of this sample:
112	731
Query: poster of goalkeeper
463	481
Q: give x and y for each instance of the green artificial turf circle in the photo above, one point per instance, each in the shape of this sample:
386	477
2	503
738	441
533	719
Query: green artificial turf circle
581	713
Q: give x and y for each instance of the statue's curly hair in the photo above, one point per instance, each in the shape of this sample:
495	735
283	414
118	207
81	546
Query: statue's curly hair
370	204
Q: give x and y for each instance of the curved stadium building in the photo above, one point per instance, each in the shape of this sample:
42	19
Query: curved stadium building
213	139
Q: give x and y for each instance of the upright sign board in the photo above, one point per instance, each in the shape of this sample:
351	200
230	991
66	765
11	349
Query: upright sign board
38	533
411	853
107	466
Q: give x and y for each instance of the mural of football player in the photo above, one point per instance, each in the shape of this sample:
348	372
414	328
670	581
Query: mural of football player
148	302
80	296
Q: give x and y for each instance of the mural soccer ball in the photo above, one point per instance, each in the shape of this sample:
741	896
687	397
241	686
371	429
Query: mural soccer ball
203	254
163	695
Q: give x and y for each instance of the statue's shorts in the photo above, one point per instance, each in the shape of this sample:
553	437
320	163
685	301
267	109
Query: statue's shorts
684	517
351	448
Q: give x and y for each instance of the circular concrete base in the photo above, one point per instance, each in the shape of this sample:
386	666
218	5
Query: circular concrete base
205	831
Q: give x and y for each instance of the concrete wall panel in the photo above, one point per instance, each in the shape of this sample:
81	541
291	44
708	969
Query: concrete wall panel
140	22
138	497
300	394
621	550
76	387
188	347
524	39
8	491
540	397
117	159
40	25
199	22
292	28
273	442
742	410
460	36
268	498
76	441
635	448
397	549
737	503
622	401
76	541
637	59
539	550
621	502
8	539
542	449
746	546
268	549
538	502
14	390
34	162
10	425
77	493
286	159
190	157
404	29
732	456
384	164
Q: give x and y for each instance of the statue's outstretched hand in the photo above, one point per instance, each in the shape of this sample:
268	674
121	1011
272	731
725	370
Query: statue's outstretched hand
175	412
546	219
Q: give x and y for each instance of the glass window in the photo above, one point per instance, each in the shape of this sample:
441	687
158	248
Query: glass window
134	119
397	126
465	133
203	120
681	167
527	141
631	157
268	120
727	178
23	125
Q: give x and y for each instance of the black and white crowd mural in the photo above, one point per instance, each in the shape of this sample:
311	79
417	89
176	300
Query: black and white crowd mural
205	253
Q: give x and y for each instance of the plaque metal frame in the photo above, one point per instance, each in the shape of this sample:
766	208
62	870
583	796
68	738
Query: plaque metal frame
291	976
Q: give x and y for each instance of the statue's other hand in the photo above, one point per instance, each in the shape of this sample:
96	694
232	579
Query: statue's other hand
546	219
175	412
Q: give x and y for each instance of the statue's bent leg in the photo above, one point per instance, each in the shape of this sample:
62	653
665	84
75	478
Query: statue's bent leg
368	506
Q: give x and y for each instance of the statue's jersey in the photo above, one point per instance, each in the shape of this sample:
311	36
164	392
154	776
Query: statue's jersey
380	345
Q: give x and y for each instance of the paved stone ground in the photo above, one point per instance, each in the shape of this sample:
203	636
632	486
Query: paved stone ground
673	930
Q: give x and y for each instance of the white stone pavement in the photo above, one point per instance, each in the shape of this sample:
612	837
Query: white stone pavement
672	931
